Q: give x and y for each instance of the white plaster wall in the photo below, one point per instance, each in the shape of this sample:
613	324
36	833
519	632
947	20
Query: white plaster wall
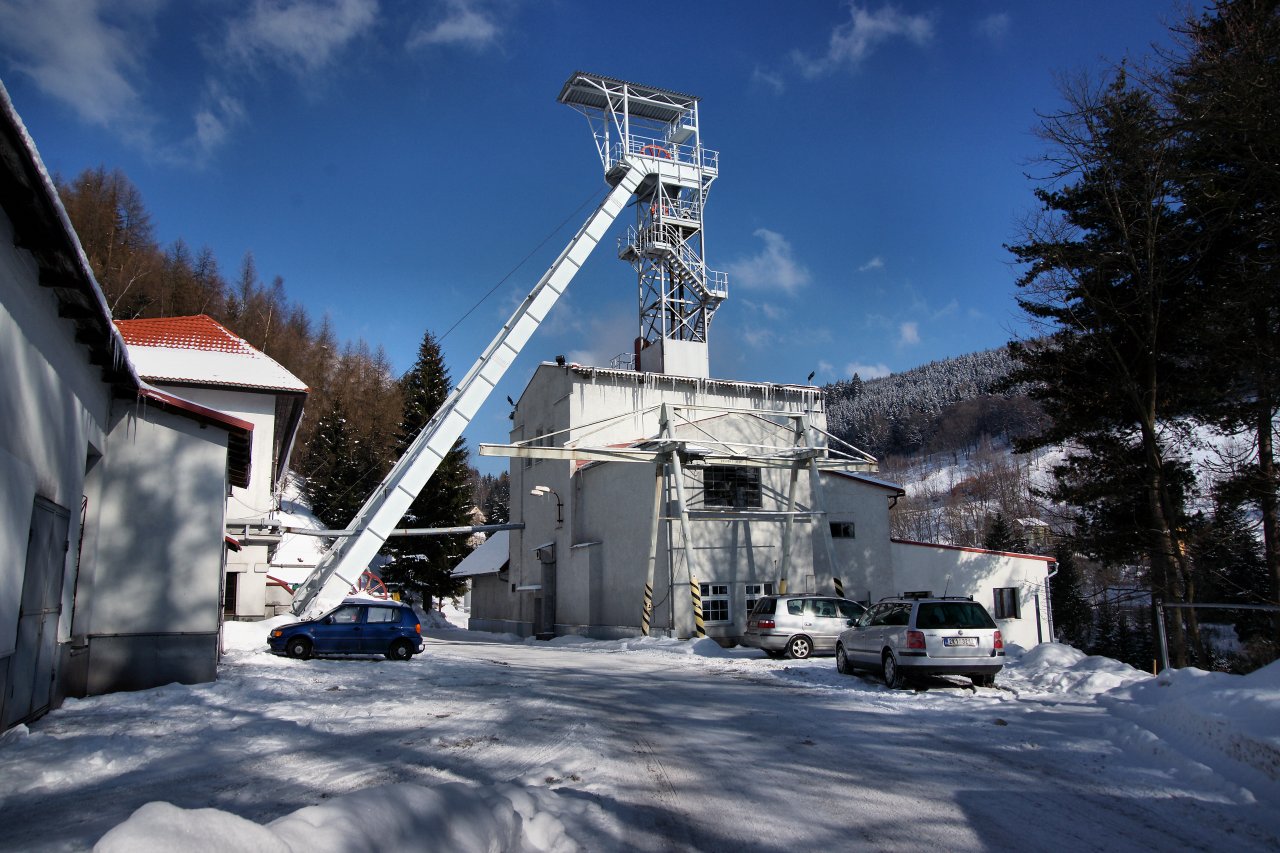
956	571
864	563
160	549
259	409
612	504
53	405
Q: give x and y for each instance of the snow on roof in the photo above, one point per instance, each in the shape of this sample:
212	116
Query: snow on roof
490	558
866	478
201	350
912	543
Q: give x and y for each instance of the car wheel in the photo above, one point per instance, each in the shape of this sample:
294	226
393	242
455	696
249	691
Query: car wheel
984	680
400	650
842	661
894	677
298	647
799	648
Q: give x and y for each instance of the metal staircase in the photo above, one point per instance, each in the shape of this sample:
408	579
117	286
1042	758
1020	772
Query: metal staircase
678	295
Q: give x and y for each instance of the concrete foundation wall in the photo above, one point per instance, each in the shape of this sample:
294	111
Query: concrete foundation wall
142	661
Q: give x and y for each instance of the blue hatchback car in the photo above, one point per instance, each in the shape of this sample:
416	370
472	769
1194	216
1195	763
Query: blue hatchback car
357	626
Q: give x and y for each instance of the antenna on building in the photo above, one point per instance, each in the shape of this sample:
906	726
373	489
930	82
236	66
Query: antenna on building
665	246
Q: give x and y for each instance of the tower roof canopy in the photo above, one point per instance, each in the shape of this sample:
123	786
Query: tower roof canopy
594	91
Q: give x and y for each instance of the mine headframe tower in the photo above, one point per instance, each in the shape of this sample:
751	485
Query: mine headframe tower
666	245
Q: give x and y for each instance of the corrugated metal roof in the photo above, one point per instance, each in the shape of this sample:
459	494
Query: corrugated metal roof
589	90
200	350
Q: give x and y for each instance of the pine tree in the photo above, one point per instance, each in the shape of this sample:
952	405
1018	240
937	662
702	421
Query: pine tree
1001	536
333	470
1072	616
1227	95
496	500
1107	271
423	564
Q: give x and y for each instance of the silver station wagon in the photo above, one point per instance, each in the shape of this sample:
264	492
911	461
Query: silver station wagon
915	636
798	625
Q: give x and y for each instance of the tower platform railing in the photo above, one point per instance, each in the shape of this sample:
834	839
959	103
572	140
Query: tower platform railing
661	149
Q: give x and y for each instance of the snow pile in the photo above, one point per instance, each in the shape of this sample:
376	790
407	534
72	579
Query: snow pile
297	554
1059	668
251	636
704	647
1211	715
453	816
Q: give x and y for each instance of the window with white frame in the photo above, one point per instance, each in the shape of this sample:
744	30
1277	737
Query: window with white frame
715	602
1006	603
753	592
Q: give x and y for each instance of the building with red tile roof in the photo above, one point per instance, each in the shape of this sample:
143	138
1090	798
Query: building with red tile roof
204	361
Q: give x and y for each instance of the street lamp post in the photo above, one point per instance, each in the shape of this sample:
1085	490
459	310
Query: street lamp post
543	491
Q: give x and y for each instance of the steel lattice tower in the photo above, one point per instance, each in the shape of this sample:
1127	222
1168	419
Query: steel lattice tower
666	246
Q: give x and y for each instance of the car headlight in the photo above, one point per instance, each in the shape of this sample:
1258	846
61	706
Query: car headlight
277	633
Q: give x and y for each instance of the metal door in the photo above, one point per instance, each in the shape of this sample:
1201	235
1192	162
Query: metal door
35	659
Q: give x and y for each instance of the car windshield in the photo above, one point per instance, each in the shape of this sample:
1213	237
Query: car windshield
850	609
953	614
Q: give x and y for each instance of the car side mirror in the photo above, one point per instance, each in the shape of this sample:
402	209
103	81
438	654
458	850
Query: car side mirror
849	623
328	620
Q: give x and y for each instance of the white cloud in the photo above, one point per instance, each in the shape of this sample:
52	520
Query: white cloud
215	120
760	337
464	23
856	39
866	371
767	310
876	263
75	55
300	34
909	333
774	267
826	368
768	80
994	27
600	337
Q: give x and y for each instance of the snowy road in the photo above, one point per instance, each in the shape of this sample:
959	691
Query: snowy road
659	749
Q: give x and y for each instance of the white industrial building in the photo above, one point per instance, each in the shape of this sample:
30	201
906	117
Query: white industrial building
205	362
111	576
647	485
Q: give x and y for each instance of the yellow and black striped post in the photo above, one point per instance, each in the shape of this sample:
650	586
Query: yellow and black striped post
698	627
839	587
648	609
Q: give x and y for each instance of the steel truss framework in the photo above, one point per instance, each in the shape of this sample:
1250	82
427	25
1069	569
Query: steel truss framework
671	455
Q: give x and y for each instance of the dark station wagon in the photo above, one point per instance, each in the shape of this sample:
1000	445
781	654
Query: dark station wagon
357	626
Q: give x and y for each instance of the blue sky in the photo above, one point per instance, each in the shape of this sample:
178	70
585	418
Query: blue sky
394	161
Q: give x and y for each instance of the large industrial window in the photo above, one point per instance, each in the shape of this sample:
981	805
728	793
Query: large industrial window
731	486
753	593
715	602
1007	603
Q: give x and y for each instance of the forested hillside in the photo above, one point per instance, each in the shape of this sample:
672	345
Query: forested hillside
359	415
142	278
944	405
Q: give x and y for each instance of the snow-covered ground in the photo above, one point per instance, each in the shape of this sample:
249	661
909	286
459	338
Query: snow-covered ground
489	743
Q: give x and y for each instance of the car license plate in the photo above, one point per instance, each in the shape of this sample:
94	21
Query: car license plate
959	641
